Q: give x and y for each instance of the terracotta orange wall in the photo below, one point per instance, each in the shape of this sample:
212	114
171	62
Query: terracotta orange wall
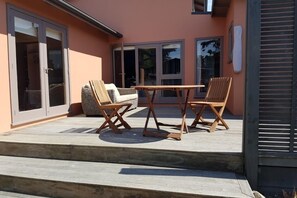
88	51
168	20
156	21
5	113
237	15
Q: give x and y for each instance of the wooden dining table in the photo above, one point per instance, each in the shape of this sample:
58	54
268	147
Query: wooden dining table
150	92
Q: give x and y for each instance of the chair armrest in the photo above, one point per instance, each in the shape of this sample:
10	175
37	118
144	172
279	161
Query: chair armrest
125	91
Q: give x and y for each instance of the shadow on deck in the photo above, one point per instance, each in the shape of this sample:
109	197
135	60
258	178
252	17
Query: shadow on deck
76	138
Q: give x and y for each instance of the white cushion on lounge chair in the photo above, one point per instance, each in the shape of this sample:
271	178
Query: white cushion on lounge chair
120	95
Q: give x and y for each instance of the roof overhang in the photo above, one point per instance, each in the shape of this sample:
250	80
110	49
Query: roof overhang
220	8
67	7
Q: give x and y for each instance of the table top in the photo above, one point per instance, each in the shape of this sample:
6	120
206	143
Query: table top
166	87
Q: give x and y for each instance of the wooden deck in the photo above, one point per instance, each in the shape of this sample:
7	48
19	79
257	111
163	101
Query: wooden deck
80	130
65	157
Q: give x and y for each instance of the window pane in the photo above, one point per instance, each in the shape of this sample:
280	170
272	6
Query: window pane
147	66
199	5
208	61
129	66
25	27
168	93
28	66
171	59
209	5
55	67
118	68
56	35
202	6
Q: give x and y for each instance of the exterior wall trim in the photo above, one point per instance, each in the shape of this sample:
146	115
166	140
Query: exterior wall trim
67	7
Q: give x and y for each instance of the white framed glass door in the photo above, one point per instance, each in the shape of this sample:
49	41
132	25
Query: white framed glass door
36	48
147	68
56	75
171	70
149	64
124	66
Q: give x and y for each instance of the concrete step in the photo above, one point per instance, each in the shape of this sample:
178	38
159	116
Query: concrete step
63	178
214	161
6	194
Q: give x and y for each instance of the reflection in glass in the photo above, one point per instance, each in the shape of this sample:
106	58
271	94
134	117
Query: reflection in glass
208	61
55	67
129	67
147	66
28	64
171	59
169	93
118	68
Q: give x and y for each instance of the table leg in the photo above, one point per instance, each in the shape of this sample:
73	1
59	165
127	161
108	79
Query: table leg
151	109
150	100
183	109
184	112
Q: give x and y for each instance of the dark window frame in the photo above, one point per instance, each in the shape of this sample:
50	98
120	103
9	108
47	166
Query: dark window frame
199	12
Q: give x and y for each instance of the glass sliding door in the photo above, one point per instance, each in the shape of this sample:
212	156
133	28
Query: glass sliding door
147	66
171	68
37	68
118	73
127	77
146	59
151	64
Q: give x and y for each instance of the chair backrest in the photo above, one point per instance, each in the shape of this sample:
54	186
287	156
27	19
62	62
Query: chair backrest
100	93
218	89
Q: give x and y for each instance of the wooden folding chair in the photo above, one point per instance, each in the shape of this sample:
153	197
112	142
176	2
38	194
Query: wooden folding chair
216	98
109	109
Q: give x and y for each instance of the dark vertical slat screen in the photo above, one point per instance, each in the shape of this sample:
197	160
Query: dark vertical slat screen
294	106
295	128
277	83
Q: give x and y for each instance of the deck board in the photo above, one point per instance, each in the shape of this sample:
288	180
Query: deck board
80	130
209	164
53	177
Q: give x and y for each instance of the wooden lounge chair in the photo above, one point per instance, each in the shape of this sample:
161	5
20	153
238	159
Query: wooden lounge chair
109	109
216	98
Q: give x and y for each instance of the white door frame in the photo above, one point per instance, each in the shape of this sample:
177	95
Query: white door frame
21	117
